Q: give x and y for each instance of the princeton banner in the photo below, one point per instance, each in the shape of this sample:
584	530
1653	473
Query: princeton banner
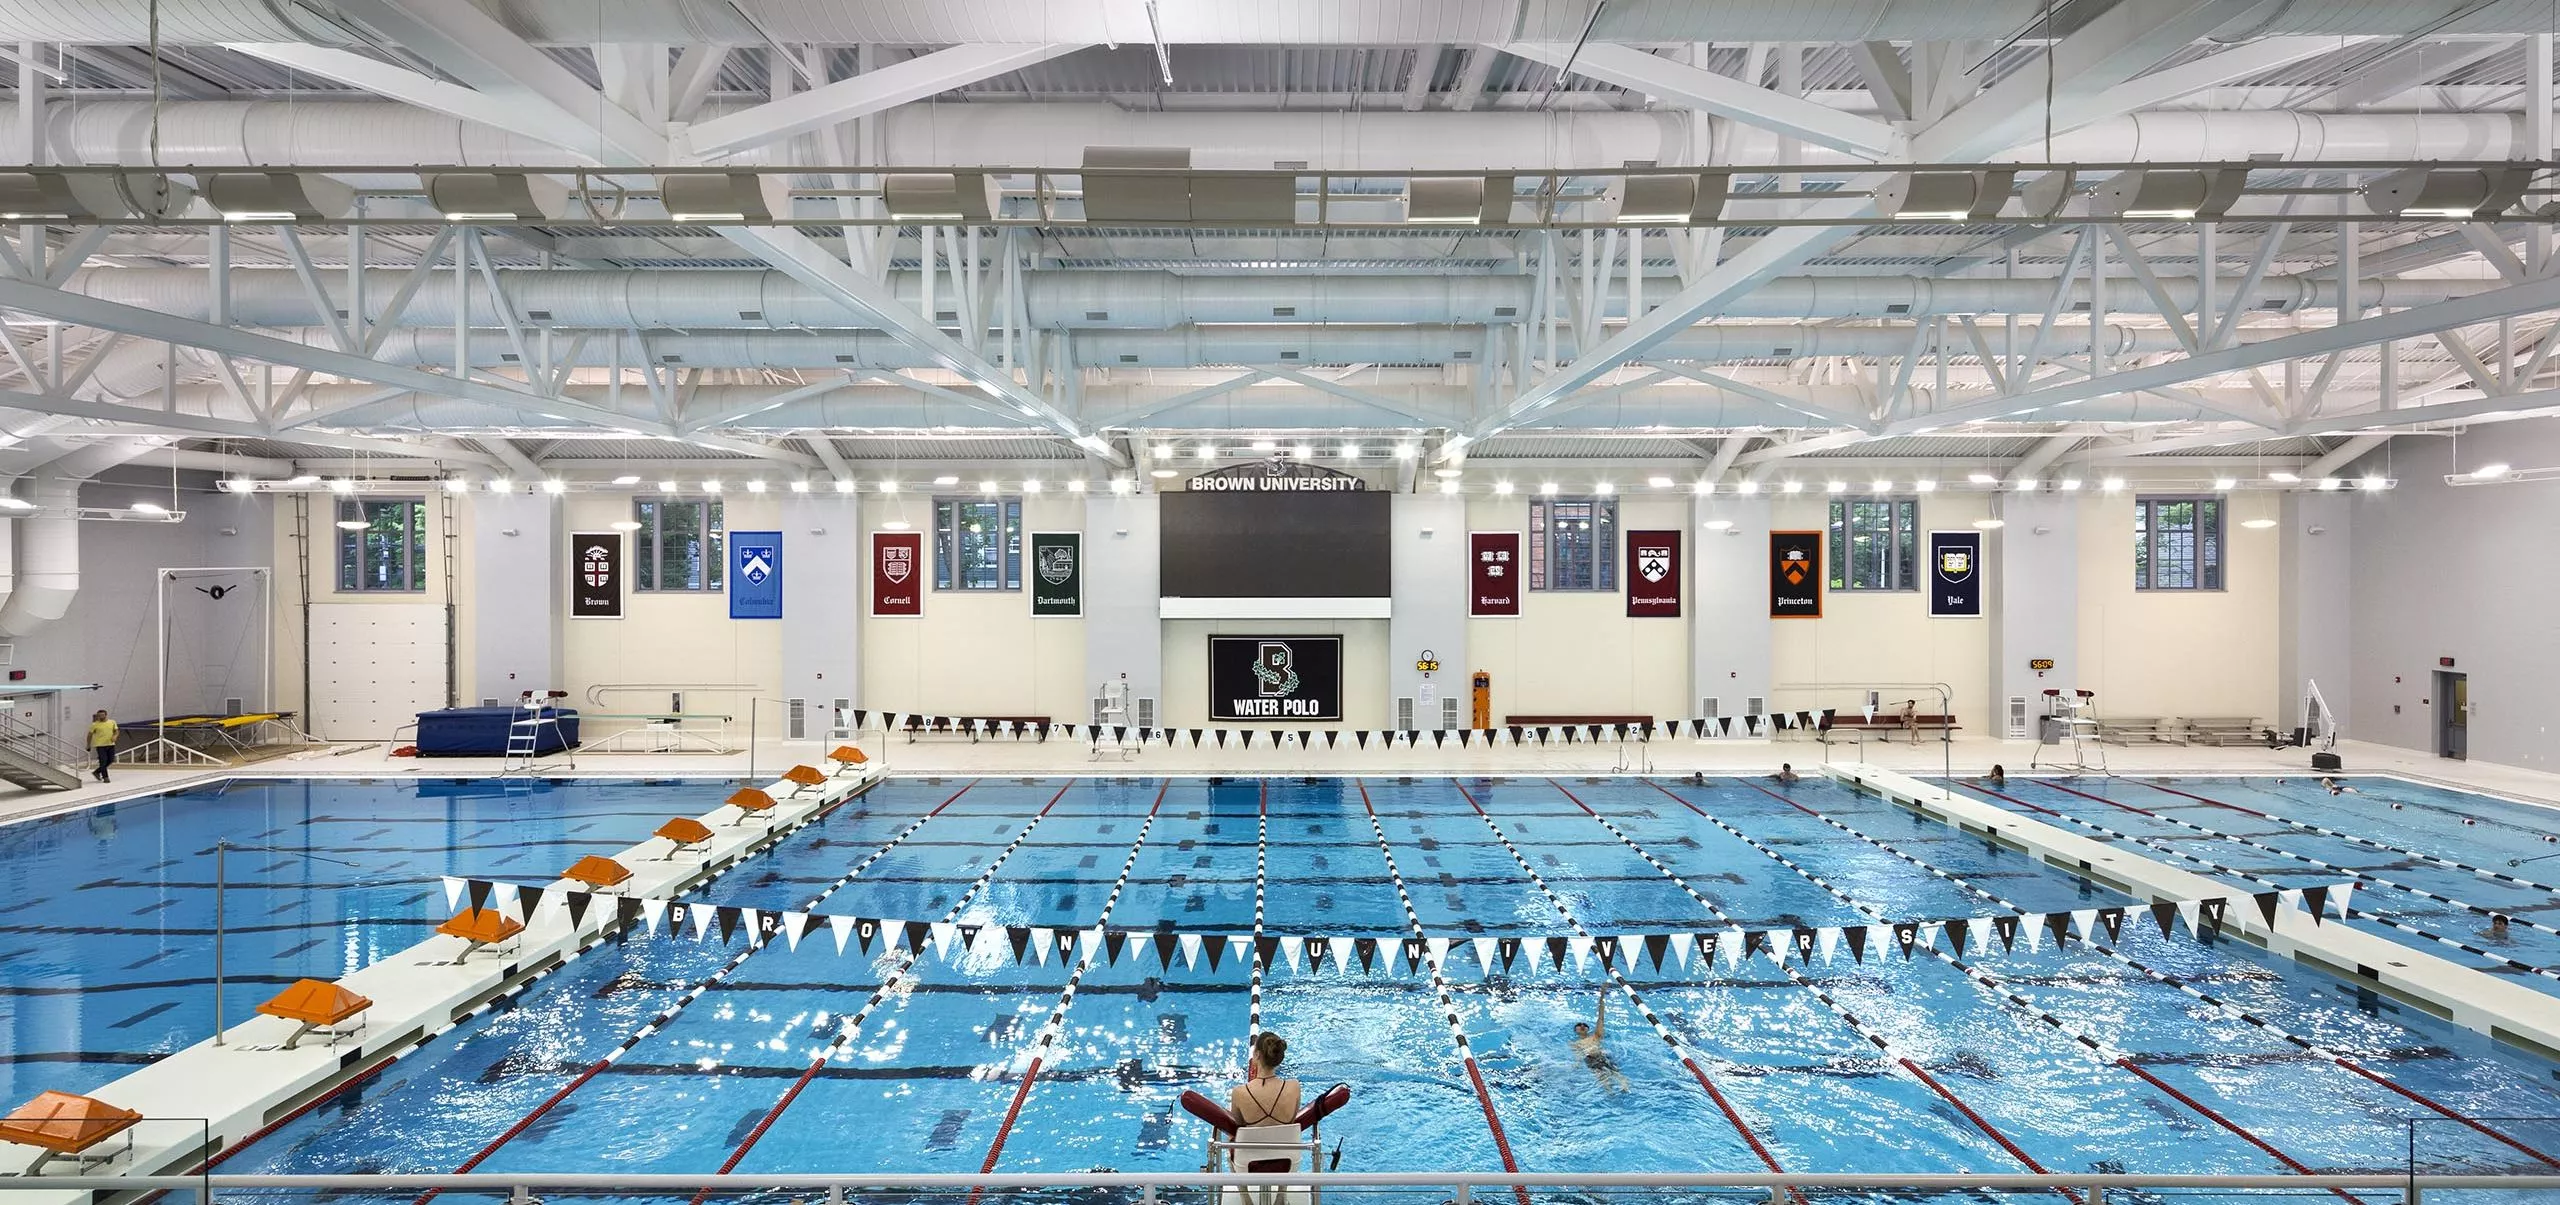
595	575
755	575
1653	574
897	573
1795	575
1493	573
1057	573
1955	574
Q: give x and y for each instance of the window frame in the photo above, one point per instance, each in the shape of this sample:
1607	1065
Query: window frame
1901	568
2207	559
649	551
354	553
1602	544
946	517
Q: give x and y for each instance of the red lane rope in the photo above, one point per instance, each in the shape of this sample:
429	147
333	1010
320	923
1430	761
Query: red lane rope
1012	1113
2201	799
1982	1124
2225	1122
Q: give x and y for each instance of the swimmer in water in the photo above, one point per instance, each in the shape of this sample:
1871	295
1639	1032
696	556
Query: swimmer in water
1588	1039
2335	787
1786	774
1996	778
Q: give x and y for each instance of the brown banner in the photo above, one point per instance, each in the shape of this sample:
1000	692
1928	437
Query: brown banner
897	573
1494	566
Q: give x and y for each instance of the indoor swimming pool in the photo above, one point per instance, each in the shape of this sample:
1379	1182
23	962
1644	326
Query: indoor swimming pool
672	1054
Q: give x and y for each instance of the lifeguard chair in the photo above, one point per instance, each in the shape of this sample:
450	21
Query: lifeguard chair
685	835
481	929
751	802
1283	1148
319	1007
848	759
802	778
598	873
65	1126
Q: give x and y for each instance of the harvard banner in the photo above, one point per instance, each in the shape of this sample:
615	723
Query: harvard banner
1057	573
595	575
755	575
1653	574
1795	575
897	573
1493	573
1955	573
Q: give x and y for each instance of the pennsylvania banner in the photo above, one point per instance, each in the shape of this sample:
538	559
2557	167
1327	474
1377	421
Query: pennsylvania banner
1653	574
595	575
1057	573
1955	574
897	573
1795	575
1493	573
755	575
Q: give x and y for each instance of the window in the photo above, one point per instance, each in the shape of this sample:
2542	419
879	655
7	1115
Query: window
977	543
389	552
2177	544
1573	544
1875	544
680	546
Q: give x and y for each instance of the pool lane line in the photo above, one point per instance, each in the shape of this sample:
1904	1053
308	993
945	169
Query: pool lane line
1979	977
2309	1047
2361	875
1261	876
2367	842
2369	915
852	1026
1448	1002
1855	1025
1049	1029
755	942
1732	1115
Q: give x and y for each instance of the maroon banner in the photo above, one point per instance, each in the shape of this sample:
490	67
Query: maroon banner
897	573
1493	572
1653	574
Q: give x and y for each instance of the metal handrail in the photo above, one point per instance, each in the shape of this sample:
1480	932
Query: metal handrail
661	1181
36	742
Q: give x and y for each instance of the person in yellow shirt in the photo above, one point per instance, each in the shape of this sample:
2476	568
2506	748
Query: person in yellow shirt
102	740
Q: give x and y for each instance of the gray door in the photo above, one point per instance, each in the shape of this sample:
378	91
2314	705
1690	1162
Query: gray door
2453	715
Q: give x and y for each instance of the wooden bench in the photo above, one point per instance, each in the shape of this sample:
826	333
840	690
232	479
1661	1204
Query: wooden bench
2224	730
1574	721
2127	730
972	726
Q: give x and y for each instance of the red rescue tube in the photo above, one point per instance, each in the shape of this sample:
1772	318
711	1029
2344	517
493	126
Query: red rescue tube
1323	1106
1212	1112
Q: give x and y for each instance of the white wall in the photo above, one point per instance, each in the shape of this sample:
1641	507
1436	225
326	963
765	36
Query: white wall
1123	630
1429	543
1886	639
2187	653
978	652
1577	653
1364	667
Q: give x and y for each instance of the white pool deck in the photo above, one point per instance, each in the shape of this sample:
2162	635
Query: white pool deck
234	1090
240	1088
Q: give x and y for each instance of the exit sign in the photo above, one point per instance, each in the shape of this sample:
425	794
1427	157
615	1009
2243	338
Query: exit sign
2446	662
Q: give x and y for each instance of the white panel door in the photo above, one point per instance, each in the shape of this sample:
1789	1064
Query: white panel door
374	667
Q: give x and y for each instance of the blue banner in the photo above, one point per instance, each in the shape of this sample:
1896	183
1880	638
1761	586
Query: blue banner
755	575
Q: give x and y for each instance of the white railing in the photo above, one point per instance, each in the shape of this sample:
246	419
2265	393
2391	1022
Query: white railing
2319	722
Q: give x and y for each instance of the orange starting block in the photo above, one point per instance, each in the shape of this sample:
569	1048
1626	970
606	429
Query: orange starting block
598	872
65	1126
802	778
320	1006
846	757
751	802
686	835
481	928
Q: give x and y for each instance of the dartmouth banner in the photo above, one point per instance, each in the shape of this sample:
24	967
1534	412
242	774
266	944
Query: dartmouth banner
1955	574
595	575
1795	575
1057	573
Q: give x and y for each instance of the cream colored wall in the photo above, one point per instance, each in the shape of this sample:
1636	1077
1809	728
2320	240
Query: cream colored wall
2179	652
975	652
1365	702
1577	653
324	582
675	638
1879	638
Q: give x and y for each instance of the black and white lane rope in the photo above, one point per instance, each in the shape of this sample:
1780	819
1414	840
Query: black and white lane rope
2368	915
1261	876
2310	1048
1610	949
758	936
1433	958
1909	1065
906	957
2219	1005
1049	1029
2379	846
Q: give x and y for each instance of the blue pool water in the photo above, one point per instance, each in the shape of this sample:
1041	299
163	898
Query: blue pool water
948	1072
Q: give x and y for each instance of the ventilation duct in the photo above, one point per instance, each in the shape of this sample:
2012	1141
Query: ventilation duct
48	538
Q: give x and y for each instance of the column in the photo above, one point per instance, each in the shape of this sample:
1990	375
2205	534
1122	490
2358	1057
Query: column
1122	591
822	599
2034	603
2314	584
519	602
1428	541
1729	621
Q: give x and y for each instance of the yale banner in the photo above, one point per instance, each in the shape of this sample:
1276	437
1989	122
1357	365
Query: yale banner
1955	574
1653	574
755	575
1795	575
1057	573
595	575
1493	573
897	573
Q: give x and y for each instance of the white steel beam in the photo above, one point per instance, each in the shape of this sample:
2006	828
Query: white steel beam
1471	78
869	92
1722	95
2078	75
402	84
1417	78
2052	449
2343	455
1886	78
472	46
2409	66
154	419
2213	71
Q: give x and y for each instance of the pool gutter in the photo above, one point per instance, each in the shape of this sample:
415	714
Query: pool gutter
2519	1016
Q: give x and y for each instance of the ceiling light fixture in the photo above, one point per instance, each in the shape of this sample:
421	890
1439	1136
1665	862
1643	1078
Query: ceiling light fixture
495	197
1718	525
2427	192
943	196
669	487
554	485
946	479
2257	524
1660	483
2175	195
1944	196
2284	477
2225	484
627	479
626	525
735	197
1747	487
1502	487
2491	472
1990	524
278	196
1669	199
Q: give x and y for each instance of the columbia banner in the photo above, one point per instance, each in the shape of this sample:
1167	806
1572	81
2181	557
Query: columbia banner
1057	573
897	573
1493	573
755	575
1653	574
1955	573
595	575
1795	575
